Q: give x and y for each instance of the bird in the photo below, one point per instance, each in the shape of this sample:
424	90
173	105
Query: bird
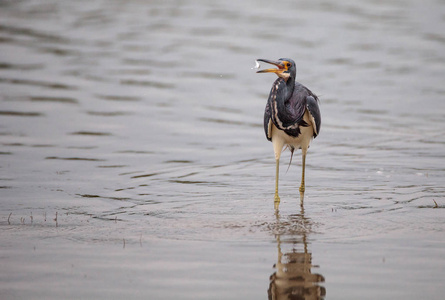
292	116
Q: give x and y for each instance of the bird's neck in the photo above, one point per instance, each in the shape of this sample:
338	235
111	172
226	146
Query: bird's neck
290	85
284	89
281	92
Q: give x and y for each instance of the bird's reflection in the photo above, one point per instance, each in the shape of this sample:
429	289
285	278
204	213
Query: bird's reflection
293	278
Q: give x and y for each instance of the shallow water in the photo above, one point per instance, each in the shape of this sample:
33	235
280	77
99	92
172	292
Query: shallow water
133	162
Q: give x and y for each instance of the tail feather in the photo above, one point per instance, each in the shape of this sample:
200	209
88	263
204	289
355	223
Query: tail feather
291	155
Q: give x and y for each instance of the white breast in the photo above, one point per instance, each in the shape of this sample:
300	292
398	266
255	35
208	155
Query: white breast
280	138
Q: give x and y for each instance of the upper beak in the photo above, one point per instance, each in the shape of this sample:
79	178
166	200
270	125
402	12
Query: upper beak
272	62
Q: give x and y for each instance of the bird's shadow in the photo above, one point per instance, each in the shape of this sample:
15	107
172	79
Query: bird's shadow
293	277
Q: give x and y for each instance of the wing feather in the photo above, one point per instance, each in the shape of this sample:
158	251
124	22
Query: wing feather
268	122
314	112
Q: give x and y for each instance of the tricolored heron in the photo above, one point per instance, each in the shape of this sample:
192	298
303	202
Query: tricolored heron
292	117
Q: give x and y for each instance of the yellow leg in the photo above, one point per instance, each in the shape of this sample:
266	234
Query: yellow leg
277	171
302	174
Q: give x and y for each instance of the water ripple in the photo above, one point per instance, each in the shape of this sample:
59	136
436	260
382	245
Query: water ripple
50	85
75	158
20	113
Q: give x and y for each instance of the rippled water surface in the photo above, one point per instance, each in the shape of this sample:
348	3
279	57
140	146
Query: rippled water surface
133	162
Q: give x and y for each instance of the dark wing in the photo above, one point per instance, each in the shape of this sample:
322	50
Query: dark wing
267	123
270	115
314	111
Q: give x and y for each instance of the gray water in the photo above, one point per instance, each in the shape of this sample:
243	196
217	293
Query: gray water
133	162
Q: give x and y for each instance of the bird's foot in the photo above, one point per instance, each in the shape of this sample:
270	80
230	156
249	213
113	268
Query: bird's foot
276	198
276	206
276	201
301	189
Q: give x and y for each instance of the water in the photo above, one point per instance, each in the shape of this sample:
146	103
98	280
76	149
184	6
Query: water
134	163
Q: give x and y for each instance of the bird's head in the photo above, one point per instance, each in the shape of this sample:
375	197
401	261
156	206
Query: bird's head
285	67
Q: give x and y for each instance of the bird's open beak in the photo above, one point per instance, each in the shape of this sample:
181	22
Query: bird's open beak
272	70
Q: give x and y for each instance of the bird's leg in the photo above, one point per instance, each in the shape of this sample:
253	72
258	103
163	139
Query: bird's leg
302	173
277	169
